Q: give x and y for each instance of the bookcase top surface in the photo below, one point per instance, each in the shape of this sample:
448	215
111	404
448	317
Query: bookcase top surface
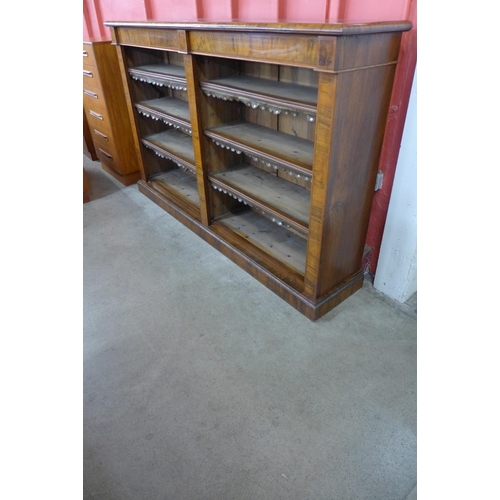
97	39
302	28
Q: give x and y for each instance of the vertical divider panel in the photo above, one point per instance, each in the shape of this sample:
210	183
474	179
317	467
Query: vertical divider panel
130	106
194	97
208	112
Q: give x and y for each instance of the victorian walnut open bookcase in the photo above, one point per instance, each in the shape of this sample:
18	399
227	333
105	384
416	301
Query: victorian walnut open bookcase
264	139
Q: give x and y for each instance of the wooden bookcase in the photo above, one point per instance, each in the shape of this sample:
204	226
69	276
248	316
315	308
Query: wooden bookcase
264	139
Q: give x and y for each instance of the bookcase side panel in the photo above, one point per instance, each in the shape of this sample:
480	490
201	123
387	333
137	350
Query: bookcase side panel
353	124
122	58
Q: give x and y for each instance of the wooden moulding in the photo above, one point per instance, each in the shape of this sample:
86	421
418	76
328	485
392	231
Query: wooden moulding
282	28
224	241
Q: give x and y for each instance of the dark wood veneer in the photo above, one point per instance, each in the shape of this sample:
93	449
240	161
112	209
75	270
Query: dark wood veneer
281	127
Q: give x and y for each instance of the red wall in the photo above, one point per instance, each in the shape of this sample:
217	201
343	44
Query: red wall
96	12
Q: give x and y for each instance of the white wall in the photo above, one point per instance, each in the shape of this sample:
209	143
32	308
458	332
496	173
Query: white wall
396	273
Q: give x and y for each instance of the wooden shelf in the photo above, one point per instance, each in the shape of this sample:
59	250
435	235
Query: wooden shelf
274	96
182	183
163	75
173	145
279	243
284	203
275	149
173	112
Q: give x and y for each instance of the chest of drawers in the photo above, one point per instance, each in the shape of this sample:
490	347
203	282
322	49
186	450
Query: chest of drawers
106	112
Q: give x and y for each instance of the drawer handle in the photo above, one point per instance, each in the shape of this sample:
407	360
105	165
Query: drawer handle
88	73
91	94
96	132
85	53
105	153
97	115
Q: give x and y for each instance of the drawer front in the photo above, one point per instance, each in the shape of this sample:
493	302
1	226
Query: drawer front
108	157
107	150
93	98
88	55
102	138
91	77
98	119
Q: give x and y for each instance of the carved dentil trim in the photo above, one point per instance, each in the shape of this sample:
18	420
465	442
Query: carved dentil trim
265	161
166	156
160	83
255	103
267	215
153	116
